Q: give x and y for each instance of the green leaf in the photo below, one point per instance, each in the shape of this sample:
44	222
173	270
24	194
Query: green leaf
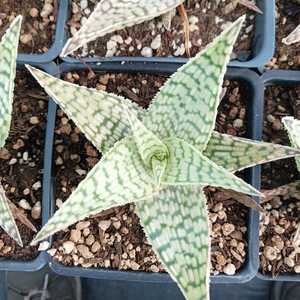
235	154
117	179
293	127
99	115
111	15
188	166
180	237
102	120
7	221
186	106
8	56
152	150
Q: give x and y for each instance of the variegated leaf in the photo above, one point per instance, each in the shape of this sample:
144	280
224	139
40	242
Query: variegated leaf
152	150
176	224
293	37
293	127
8	56
186	106
117	179
99	115
235	154
7	221
187	166
112	15
102	120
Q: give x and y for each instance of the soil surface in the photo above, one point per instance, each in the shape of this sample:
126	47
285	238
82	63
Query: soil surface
287	19
21	163
207	19
278	253
115	239
39	22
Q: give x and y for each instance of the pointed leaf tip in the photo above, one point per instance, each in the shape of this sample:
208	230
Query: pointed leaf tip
111	15
8	57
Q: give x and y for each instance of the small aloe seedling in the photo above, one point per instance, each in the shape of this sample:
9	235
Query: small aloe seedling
8	56
161	159
111	15
292	189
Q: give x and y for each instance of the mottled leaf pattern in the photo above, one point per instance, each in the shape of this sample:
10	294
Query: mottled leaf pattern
187	166
150	146
181	118
99	115
102	120
235	154
186	106
8	56
118	178
180	237
293	127
293	37
7	221
112	15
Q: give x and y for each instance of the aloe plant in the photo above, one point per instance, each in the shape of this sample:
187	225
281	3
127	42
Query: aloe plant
8	55
292	189
161	159
111	15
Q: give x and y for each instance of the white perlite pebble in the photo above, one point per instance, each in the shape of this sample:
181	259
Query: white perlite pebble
47	10
297	269
111	45
128	41
44	246
147	52
36	186
68	247
180	50
117	38
24	204
230	269
104	225
156	43
83	4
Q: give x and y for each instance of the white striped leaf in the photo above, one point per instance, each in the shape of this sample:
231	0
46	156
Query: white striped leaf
186	106
154	153
187	166
176	224
182	117
235	153
8	56
101	119
118	178
98	114
111	15
7	221
292	125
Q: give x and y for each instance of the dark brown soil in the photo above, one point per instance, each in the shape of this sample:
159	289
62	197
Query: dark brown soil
37	32
123	245
21	161
286	57
204	27
278	225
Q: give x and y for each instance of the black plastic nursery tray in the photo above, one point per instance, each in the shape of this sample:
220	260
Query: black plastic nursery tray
254	120
263	44
287	78
41	260
59	39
